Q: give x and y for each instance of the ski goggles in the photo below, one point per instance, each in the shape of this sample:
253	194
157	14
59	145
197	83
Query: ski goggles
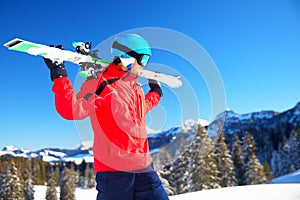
142	59
127	61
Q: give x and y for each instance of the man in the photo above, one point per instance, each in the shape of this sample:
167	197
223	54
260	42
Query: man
117	108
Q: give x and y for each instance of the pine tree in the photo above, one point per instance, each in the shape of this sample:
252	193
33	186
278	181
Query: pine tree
180	171
43	178
224	163
268	172
249	146
204	170
238	160
57	175
81	180
254	171
36	171
11	185
1	163
27	178
51	193
67	184
3	178
89	177
86	176
82	168
164	176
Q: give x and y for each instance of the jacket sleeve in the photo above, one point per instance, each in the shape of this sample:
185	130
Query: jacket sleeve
68	105
152	99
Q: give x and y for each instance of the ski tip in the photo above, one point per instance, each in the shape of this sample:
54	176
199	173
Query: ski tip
10	44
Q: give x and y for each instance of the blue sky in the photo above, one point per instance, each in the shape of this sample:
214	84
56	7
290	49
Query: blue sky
254	44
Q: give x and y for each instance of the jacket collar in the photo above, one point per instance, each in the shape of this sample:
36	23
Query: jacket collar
116	71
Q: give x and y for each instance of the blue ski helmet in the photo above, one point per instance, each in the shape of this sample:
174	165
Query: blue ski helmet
132	45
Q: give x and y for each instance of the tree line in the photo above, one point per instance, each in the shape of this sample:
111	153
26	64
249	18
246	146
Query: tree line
208	163
19	175
202	163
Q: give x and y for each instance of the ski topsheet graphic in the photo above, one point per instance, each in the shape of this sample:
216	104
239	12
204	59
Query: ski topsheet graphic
90	64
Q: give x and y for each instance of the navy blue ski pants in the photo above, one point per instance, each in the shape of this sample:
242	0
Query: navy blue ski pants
129	186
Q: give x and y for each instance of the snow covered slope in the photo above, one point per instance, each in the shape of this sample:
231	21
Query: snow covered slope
252	192
52	154
289	178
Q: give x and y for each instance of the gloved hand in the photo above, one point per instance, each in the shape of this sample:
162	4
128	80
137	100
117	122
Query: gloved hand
57	70
155	87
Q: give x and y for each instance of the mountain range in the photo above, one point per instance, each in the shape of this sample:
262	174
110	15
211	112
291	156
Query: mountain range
275	124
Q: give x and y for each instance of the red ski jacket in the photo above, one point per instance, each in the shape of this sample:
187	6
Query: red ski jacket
117	115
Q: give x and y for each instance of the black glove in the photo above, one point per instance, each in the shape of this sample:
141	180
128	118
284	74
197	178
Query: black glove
57	70
155	87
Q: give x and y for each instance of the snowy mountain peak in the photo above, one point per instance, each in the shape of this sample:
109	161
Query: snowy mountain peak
14	151
52	154
86	145
258	115
192	125
231	115
10	148
227	114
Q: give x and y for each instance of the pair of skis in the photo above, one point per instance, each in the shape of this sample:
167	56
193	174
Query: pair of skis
90	62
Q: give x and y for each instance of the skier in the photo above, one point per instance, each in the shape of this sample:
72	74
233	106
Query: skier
117	108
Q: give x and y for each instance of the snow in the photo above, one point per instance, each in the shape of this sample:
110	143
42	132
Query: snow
203	122
189	125
257	115
257	192
14	151
53	153
80	193
86	145
289	178
151	131
50	159
10	148
78	158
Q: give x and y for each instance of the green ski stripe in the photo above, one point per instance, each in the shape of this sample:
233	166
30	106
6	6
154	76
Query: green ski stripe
24	47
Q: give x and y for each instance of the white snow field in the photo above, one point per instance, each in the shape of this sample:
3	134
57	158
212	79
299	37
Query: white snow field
286	188
84	194
252	192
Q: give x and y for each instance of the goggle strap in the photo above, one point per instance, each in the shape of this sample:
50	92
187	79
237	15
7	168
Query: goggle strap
127	50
